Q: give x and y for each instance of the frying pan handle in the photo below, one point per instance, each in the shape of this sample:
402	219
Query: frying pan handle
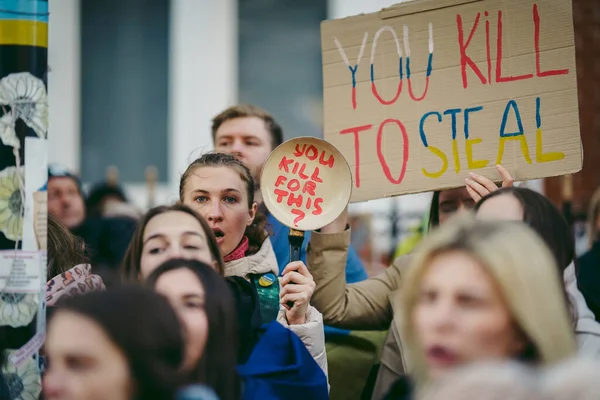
296	239
294	252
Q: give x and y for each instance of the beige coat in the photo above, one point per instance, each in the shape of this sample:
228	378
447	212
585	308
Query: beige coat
312	332
367	305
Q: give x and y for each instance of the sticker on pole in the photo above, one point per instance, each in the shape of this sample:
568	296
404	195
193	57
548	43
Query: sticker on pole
306	183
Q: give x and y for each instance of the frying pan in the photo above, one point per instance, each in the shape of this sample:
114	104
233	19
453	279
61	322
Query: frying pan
306	183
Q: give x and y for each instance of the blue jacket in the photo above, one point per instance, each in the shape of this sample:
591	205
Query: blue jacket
280	367
355	272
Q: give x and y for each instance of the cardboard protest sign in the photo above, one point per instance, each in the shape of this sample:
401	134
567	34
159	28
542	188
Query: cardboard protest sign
306	183
419	94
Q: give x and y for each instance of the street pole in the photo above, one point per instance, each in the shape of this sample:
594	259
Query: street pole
23	173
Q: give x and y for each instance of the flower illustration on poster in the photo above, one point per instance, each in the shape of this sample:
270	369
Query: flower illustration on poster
22	96
11	207
17	309
8	135
24	382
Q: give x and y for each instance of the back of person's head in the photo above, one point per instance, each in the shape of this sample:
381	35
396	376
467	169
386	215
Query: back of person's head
246	111
144	328
486	381
543	217
594	218
99	194
130	268
65	250
575	379
216	367
520	266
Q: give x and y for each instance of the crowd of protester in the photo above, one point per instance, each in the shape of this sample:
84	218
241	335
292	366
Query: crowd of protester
489	300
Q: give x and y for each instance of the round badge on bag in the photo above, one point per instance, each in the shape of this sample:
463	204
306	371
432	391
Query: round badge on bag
267	280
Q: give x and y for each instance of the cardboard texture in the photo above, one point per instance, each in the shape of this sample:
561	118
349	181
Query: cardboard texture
40	211
419	94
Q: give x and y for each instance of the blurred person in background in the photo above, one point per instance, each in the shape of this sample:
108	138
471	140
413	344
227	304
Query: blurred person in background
487	381
106	237
69	272
250	134
472	294
108	200
206	308
122	344
445	203
522	204
589	264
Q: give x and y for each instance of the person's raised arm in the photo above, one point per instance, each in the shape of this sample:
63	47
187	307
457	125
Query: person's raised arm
364	305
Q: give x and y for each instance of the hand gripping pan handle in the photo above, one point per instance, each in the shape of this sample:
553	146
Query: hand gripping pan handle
296	238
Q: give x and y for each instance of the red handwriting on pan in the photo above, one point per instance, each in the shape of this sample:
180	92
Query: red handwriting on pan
299	179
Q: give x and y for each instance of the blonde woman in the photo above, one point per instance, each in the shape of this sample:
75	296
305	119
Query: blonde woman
589	273
472	293
370	304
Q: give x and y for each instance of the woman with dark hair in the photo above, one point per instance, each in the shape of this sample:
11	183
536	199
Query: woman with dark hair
206	307
183	234
221	189
122	344
177	231
537	211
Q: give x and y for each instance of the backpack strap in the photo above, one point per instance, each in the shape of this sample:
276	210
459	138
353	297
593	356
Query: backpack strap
267	288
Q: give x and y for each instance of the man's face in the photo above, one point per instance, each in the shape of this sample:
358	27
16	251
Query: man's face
248	140
65	202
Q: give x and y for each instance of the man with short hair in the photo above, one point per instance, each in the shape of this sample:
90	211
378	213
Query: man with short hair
65	201
250	134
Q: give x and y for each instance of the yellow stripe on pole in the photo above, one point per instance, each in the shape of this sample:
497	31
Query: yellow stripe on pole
23	33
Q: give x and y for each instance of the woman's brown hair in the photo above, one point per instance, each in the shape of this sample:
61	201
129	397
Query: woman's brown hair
65	250
216	367
256	231
130	269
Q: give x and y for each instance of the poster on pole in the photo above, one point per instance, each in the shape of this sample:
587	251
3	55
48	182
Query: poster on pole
419	94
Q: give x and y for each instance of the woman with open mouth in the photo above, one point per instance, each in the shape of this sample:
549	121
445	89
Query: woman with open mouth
478	291
216	223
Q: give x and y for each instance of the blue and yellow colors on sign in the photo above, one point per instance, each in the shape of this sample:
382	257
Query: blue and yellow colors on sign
24	22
